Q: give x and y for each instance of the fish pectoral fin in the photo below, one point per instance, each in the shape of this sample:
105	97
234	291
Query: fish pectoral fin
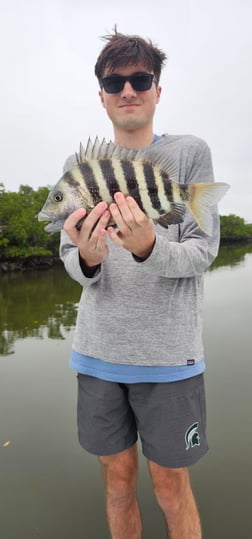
80	223
174	217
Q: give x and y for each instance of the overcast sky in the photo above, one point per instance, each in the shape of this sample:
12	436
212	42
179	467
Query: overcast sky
49	94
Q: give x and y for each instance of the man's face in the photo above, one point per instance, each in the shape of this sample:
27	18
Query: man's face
129	109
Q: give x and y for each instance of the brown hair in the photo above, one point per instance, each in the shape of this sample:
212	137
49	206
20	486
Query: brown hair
124	50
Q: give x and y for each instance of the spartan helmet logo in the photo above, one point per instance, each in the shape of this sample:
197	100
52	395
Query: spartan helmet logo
192	436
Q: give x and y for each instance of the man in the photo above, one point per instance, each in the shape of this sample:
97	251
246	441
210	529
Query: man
138	341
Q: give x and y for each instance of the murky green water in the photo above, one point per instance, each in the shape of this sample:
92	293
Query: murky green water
49	487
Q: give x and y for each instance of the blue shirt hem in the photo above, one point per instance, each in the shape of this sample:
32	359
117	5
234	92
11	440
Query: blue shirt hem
121	373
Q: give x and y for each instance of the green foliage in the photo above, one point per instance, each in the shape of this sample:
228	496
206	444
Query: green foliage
233	228
21	235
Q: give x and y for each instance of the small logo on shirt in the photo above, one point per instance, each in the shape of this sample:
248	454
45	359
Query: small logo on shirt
192	438
191	362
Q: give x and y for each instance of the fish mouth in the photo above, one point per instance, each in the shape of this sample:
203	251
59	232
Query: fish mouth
55	224
46	217
54	227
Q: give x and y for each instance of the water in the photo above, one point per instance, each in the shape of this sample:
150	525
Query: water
49	487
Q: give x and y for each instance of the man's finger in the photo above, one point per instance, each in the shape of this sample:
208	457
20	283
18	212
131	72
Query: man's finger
114	236
140	217
95	215
74	218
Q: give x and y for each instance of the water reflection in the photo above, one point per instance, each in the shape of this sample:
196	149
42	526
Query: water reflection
44	303
231	255
49	485
35	303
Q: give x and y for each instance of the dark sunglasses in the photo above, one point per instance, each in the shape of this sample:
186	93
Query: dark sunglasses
140	82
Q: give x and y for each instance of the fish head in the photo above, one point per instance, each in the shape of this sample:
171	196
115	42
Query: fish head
63	199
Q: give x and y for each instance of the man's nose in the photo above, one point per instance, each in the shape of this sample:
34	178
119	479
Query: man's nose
127	90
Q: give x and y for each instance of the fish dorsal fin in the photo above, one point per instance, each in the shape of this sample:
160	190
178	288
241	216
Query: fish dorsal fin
87	152
159	156
104	150
81	152
110	149
122	152
96	149
84	153
156	154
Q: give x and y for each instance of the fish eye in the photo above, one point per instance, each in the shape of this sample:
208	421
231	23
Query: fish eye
58	197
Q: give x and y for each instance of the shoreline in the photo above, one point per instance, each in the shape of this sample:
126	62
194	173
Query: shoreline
27	264
35	262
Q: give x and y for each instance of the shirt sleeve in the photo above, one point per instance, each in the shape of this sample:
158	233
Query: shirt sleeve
194	251
69	255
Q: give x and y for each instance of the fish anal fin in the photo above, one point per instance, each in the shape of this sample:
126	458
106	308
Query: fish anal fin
174	217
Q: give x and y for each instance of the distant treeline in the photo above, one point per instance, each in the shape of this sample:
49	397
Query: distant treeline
233	228
22	236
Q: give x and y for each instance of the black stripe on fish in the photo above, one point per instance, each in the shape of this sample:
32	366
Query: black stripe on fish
109	176
71	180
183	190
168	187
131	181
151	186
90	181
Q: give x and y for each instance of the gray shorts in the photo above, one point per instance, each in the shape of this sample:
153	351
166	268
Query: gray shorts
169	418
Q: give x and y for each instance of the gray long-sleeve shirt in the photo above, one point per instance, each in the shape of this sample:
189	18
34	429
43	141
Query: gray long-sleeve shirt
150	312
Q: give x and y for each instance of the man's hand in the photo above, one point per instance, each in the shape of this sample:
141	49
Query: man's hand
135	230
91	238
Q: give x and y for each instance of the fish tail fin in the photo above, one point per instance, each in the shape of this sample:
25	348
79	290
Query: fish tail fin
201	197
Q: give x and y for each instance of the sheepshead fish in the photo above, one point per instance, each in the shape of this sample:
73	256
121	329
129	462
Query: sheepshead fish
147	175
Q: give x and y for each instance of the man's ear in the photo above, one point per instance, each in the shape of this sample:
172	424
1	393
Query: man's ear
159	90
101	97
